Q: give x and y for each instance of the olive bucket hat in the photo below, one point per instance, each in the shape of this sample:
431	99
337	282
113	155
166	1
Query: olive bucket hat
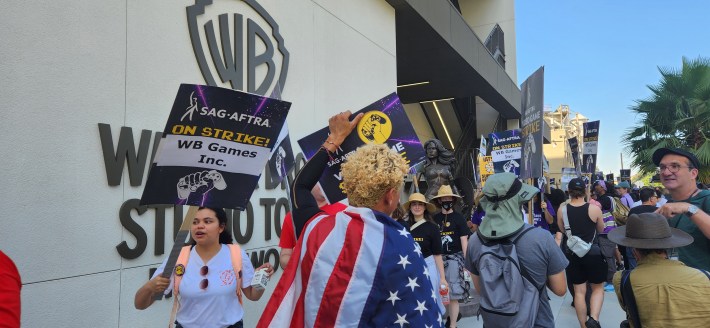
502	196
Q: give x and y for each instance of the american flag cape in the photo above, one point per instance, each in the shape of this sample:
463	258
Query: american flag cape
358	268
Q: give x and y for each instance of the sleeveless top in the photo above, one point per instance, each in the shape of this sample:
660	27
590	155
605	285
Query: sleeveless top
580	223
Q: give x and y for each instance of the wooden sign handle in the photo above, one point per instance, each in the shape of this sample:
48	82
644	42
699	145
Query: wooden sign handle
180	239
530	205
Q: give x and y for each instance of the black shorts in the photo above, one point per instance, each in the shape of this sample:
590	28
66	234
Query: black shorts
591	268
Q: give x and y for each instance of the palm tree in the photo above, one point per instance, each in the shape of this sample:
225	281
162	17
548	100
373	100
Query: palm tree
677	114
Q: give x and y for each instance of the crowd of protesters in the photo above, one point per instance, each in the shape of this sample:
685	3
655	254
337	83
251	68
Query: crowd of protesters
378	262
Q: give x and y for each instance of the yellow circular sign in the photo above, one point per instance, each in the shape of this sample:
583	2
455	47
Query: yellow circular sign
375	127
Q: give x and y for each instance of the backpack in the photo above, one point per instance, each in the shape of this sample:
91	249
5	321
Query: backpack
509	296
619	211
235	252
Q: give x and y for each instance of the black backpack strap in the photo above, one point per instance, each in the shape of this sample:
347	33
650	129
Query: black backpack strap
705	272
627	295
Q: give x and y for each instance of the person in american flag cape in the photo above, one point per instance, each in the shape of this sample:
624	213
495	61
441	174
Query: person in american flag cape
359	267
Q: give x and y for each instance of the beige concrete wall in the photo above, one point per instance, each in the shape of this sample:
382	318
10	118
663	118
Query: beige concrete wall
483	15
69	65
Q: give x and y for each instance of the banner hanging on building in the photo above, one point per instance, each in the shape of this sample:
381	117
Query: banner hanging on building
485	166
531	125
505	151
384	122
574	149
589	151
214	147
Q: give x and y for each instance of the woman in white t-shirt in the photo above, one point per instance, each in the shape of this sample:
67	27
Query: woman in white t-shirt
207	290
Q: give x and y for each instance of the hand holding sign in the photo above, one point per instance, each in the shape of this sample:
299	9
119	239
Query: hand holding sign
340	127
381	122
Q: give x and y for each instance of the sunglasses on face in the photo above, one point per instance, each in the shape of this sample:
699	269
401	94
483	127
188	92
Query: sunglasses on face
204	283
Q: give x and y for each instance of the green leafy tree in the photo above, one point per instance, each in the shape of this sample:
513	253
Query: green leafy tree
677	114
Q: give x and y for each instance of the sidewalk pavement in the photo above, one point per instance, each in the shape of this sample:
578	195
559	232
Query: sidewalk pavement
565	316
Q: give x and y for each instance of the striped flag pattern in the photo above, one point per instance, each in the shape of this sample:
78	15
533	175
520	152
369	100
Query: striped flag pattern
358	268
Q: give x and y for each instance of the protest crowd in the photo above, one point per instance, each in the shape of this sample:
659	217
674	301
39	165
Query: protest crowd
376	260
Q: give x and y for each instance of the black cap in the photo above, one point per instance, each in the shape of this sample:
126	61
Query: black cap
576	184
660	152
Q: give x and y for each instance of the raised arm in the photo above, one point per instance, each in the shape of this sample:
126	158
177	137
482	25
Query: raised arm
304	205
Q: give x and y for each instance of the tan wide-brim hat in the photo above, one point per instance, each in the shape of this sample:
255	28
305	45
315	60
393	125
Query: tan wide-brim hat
417	197
445	190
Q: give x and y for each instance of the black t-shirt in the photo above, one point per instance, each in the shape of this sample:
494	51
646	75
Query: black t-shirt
643	209
428	237
453	227
404	223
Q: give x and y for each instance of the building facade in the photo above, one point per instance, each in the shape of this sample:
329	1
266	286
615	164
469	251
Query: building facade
88	84
563	124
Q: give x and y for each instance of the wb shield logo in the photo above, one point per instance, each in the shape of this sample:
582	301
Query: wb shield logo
238	44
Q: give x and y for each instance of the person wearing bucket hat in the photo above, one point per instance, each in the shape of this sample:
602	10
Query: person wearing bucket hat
664	292
585	222
418	198
504	194
687	206
454	241
427	235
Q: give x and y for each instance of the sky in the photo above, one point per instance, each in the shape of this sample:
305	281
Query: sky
600	56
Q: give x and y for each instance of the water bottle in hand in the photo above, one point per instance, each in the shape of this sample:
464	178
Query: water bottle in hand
444	292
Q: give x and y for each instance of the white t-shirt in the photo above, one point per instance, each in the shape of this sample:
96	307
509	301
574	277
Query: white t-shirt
216	306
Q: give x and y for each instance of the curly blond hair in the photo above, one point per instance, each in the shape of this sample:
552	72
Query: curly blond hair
371	171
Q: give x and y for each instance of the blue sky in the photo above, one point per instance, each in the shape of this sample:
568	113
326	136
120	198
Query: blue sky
599	56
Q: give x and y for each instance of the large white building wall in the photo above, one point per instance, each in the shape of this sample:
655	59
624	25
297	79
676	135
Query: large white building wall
69	65
483	15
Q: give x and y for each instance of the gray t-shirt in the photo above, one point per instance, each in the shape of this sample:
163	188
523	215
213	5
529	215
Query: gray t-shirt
540	255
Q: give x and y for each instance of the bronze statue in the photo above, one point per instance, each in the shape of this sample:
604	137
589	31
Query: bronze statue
438	167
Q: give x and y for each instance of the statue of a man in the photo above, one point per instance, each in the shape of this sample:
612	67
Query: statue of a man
438	167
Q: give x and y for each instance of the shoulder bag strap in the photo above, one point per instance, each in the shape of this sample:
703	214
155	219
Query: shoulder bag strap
705	273
417	224
613	204
181	261
627	295
568	231
236	255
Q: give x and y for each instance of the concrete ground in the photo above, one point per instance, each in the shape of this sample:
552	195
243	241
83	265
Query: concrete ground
565	317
